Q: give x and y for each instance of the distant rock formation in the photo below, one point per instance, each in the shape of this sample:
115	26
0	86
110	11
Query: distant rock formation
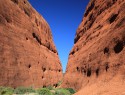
96	63
28	56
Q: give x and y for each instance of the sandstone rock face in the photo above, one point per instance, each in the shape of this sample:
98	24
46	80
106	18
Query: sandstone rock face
28	56
96	63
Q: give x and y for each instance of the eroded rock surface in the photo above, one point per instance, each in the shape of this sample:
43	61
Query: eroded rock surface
28	56
96	64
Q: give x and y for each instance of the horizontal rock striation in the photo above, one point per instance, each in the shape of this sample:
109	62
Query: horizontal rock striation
96	63
28	56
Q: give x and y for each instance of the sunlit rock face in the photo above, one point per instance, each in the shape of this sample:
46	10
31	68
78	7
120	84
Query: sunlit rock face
96	64
28	56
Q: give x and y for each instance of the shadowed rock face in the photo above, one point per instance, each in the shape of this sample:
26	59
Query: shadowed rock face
96	62
28	56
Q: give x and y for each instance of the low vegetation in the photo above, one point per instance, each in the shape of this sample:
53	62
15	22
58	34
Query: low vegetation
44	91
40	91
62	91
6	91
23	90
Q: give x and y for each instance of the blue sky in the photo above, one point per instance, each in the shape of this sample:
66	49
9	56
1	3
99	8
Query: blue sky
64	17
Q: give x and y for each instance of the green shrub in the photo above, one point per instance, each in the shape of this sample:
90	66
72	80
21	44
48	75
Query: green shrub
62	91
20	90
59	83
6	91
44	91
30	90
23	90
72	91
49	87
41	91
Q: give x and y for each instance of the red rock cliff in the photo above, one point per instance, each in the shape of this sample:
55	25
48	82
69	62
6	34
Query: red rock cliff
28	56
96	63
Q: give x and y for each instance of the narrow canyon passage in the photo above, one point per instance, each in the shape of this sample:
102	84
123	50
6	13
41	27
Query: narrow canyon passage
32	54
63	16
28	56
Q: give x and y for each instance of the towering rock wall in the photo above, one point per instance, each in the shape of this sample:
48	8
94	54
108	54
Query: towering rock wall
28	56
97	61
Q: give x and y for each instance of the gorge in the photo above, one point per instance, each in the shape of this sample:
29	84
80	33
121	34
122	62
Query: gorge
96	63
